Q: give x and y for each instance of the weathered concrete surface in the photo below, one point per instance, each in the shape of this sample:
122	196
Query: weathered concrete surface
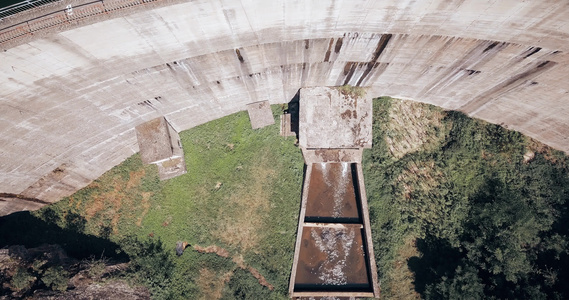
286	126
13	203
313	156
171	167
331	119
332	255
154	141
74	87
260	114
160	144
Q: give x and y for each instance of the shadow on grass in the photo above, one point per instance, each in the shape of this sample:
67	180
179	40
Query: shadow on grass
24	229
438	260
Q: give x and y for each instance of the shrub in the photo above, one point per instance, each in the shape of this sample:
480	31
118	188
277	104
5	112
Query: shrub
22	280
55	278
150	264
96	267
352	91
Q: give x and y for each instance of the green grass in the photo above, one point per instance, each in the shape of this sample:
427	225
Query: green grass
241	193
455	210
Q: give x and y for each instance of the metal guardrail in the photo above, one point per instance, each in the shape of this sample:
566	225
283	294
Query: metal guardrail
22	6
61	15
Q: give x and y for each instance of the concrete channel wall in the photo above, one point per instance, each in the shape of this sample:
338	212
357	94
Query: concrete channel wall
75	84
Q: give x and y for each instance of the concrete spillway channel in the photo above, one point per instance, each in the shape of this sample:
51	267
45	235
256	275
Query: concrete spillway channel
333	254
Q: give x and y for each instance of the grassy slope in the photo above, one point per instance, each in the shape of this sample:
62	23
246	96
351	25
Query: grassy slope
242	193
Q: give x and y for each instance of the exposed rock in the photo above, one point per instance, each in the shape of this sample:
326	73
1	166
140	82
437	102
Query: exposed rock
529	156
83	280
180	247
112	290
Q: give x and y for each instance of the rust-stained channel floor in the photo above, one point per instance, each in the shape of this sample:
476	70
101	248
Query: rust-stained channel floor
331	257
332	196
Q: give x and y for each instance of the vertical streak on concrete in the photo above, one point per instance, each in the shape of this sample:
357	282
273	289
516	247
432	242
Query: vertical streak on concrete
514	82
378	51
101	73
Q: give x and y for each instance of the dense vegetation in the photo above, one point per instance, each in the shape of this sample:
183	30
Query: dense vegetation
472	210
459	209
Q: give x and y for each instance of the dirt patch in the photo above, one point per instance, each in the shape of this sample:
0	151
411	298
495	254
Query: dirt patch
548	153
529	156
135	178
212	249
211	284
239	261
260	278
243	217
122	200
96	206
413	127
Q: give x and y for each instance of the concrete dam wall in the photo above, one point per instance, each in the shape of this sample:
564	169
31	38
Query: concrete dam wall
78	76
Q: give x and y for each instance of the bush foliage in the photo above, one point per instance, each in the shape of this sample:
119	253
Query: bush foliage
459	209
491	223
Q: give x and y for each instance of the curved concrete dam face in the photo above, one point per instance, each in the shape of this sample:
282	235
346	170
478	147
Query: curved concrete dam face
78	76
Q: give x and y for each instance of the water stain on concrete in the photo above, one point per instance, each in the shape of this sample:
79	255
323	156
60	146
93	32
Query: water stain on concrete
238	53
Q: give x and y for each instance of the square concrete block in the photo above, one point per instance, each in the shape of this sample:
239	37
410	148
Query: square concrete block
160	144
260	114
330	118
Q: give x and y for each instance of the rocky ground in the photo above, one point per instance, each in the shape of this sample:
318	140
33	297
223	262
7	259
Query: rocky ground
46	272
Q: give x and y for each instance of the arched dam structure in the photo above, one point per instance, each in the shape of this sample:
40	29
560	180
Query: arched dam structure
77	76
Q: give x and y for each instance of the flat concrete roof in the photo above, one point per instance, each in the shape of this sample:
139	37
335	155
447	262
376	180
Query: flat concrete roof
260	114
330	118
